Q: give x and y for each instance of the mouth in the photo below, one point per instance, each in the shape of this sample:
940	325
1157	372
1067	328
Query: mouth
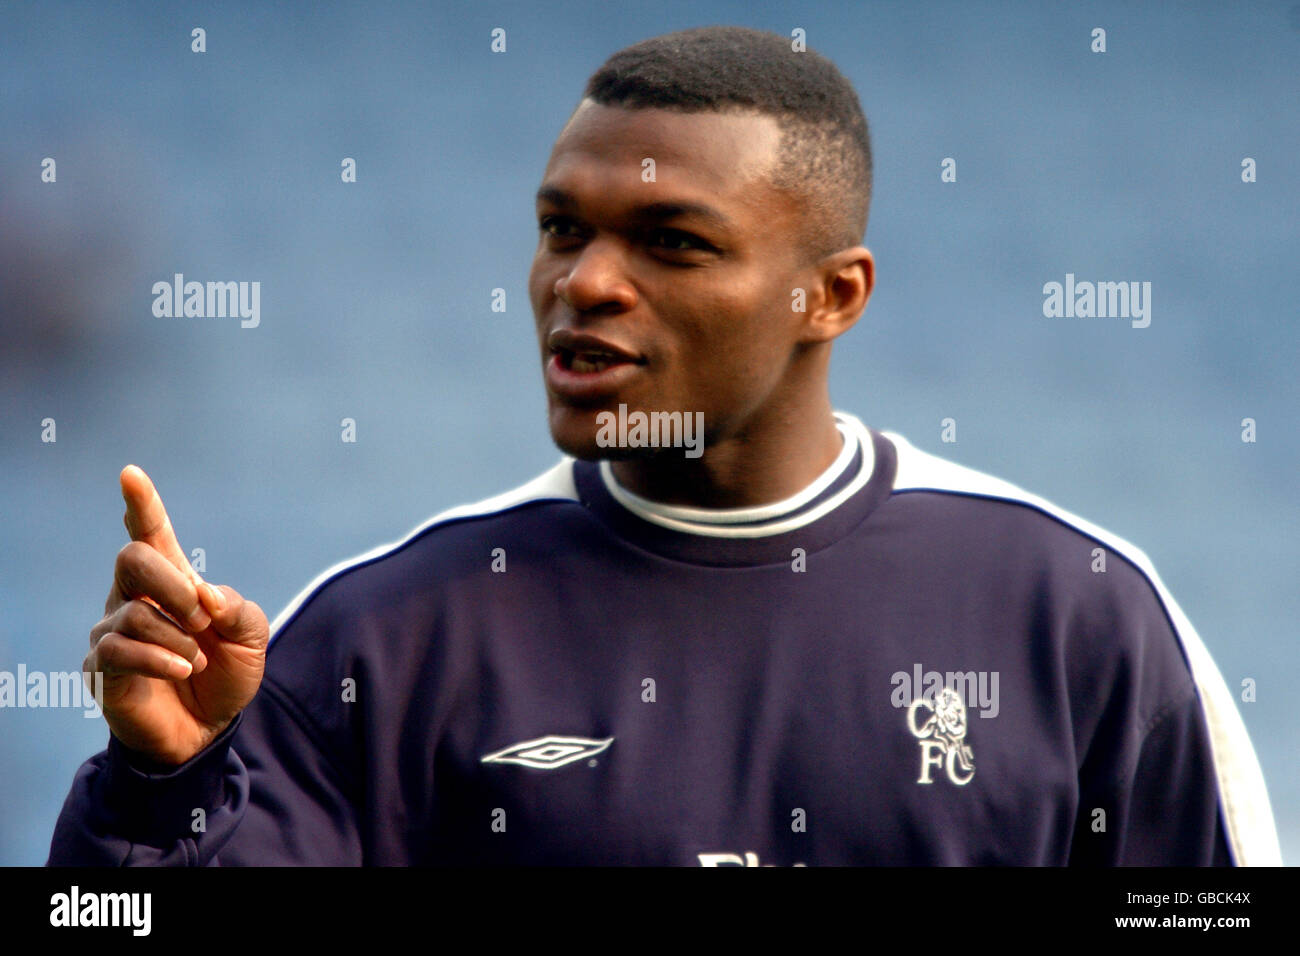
581	371
586	361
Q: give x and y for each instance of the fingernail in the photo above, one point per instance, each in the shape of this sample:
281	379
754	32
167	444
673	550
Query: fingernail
200	661
198	619
180	668
215	597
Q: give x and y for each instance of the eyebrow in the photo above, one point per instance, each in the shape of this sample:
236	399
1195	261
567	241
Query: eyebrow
649	212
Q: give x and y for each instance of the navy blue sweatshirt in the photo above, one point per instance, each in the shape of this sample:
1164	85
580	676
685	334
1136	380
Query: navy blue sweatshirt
910	662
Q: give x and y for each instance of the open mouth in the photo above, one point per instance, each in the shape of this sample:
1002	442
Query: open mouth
583	368
588	361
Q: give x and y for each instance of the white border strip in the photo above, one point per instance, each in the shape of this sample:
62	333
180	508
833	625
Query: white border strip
556	482
1252	834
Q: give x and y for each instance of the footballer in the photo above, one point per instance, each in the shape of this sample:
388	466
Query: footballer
731	626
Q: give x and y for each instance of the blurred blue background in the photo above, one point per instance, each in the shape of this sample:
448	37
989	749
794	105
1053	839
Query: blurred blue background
376	295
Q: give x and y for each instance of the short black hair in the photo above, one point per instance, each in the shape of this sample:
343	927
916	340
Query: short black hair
825	152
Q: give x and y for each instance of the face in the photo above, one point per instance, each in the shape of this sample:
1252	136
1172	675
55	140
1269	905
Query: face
666	295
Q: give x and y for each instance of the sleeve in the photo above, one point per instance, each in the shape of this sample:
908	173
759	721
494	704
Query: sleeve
1245	812
1180	786
1170	815
264	792
1163	808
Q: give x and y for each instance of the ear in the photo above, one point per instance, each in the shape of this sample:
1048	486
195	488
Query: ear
840	285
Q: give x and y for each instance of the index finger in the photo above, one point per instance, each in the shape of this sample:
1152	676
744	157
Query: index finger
146	518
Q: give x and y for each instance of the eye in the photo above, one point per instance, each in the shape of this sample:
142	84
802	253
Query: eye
674	240
555	226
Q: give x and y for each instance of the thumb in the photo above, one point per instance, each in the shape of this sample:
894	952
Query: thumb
233	618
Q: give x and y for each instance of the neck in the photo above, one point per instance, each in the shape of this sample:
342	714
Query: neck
762	461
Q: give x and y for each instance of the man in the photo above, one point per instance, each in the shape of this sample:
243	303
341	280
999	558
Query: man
731	626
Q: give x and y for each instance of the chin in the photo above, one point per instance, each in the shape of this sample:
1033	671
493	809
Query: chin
581	443
574	432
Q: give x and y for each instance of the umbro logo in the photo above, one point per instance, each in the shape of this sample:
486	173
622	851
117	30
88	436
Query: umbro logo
547	753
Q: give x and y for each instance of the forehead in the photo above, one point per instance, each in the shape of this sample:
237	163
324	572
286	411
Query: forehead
722	159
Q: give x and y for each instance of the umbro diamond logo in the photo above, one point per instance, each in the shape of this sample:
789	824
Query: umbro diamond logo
547	753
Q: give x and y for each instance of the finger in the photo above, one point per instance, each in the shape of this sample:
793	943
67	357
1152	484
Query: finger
146	519
117	654
141	572
145	623
233	618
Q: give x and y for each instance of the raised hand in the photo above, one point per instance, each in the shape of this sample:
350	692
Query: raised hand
180	657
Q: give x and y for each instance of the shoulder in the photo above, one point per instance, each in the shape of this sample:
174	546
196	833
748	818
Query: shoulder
371	619
1133	612
1038	542
984	506
501	516
919	471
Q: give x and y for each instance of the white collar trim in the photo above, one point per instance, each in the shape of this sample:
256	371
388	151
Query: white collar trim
740	522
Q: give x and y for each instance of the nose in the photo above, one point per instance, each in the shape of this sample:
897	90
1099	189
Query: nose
597	281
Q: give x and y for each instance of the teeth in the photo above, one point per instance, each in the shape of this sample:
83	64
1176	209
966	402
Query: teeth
589	362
